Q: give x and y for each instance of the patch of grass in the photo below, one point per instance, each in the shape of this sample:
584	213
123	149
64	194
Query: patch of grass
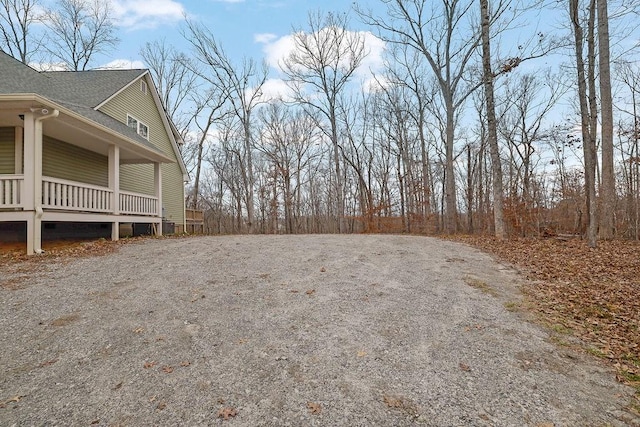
561	329
513	306
559	341
596	352
480	285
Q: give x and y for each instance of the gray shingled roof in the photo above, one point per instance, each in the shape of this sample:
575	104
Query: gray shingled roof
79	91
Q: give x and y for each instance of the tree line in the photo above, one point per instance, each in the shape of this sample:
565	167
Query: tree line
461	129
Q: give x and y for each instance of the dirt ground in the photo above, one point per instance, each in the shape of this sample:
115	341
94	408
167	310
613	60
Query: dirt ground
287	331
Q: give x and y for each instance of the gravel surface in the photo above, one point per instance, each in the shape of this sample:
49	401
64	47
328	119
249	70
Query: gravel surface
287	331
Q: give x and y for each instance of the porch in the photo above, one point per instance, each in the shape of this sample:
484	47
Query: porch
77	151
70	201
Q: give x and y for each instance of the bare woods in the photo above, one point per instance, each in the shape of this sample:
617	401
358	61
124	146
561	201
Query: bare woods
502	117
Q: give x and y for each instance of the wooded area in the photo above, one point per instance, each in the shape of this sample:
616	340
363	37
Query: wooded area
479	122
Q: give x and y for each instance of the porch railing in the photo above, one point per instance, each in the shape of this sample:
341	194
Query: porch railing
138	204
74	196
11	191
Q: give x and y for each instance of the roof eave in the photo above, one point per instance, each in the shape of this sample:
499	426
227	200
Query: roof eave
133	145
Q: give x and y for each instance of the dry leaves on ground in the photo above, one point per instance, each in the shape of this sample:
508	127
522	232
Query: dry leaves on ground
226	413
314	408
593	293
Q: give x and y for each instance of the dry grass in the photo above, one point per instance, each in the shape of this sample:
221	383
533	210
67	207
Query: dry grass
593	294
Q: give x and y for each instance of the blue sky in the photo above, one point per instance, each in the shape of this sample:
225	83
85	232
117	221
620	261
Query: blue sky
241	26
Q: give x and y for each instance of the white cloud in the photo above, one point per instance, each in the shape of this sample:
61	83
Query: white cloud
375	49
122	64
375	83
229	1
275	89
277	49
264	38
48	66
137	14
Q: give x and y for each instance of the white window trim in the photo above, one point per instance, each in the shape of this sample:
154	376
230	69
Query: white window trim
138	125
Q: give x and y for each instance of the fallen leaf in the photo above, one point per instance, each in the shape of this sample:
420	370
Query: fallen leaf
464	367
393	402
138	330
117	386
148	365
96	421
311	291
314	408
362	353
226	413
294	291
161	406
167	369
16	399
48	362
185	363
322	270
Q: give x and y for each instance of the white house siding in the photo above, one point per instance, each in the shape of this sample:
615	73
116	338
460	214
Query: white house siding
7	151
66	161
139	178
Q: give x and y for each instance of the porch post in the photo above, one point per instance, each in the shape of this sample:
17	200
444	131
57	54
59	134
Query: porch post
157	180
114	186
18	150
32	182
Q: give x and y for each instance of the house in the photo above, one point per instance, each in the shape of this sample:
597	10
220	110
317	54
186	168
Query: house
86	151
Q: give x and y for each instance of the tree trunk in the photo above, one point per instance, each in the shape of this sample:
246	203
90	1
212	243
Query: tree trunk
451	213
608	190
492	133
588	142
250	178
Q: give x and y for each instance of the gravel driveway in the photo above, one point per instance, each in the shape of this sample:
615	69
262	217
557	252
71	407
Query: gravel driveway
287	331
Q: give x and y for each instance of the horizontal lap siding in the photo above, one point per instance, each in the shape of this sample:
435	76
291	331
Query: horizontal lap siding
66	161
139	178
173	192
7	151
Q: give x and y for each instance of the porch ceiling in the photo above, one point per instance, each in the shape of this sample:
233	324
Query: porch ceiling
82	133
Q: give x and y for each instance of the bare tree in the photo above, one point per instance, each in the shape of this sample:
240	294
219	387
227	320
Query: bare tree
608	189
322	63
492	133
287	140
241	86
79	30
444	33
16	20
588	109
174	78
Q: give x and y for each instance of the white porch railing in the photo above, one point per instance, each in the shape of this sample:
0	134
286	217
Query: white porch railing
74	196
138	204
11	191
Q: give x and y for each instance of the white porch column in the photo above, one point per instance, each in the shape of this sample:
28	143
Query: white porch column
32	181
18	150
114	186
157	180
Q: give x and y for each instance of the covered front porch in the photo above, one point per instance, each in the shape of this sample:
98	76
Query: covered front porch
29	196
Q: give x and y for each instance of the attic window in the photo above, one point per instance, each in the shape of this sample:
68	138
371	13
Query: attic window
143	87
141	128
